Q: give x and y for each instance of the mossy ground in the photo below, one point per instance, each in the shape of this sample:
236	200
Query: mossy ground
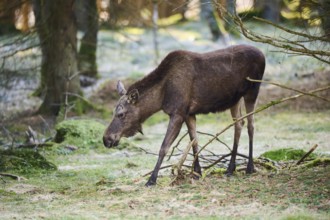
108	183
24	161
286	154
82	133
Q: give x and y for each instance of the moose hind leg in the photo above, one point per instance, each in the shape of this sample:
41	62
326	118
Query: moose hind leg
235	113
191	125
249	105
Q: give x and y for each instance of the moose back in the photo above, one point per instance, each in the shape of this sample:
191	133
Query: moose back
185	84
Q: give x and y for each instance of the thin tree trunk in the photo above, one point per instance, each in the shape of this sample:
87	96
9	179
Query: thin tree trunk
87	53
155	29
57	31
231	8
270	10
325	16
207	14
7	15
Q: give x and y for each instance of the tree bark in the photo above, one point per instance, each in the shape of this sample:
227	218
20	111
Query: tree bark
7	15
270	10
57	32
207	15
87	53
231	8
325	16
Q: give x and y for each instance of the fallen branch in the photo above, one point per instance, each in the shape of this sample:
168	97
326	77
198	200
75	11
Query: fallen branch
175	146
18	178
217	161
161	168
306	155
215	139
46	144
164	167
177	167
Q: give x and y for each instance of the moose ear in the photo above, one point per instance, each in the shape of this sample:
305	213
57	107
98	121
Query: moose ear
121	89
133	96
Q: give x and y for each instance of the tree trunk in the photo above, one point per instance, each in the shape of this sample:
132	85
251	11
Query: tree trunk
270	10
7	15
230	26
207	15
87	53
325	16
57	31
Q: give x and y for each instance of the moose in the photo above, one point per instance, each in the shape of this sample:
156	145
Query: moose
186	84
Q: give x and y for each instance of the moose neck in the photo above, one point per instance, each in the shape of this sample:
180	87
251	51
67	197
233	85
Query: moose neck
151	88
150	101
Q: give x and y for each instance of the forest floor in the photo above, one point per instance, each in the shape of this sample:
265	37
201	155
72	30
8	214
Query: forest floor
105	183
100	183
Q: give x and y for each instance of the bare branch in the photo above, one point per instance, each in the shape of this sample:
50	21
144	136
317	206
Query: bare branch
307	154
285	44
289	88
311	37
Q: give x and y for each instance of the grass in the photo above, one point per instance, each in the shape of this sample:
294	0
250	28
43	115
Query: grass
102	183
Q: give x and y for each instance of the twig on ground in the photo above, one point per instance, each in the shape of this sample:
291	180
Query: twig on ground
217	161
18	178
164	167
35	145
215	139
177	167
175	146
147	152
184	156
307	154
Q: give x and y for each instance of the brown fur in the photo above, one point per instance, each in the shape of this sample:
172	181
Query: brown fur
186	84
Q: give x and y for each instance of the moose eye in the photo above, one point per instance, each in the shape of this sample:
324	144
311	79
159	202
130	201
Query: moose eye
121	115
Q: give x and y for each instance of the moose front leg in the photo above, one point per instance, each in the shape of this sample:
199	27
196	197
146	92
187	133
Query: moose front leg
173	130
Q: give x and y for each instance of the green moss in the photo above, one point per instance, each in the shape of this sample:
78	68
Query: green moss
317	162
82	133
23	161
286	154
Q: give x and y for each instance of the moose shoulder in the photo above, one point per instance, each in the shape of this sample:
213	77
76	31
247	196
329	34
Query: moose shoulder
186	84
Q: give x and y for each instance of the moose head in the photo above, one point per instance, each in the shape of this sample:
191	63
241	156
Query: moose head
126	117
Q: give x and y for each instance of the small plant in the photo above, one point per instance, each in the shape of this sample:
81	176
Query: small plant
286	154
24	161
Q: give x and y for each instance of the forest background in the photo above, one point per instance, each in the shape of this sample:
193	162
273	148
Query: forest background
60	62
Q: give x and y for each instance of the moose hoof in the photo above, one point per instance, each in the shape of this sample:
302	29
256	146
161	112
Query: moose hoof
150	183
196	176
